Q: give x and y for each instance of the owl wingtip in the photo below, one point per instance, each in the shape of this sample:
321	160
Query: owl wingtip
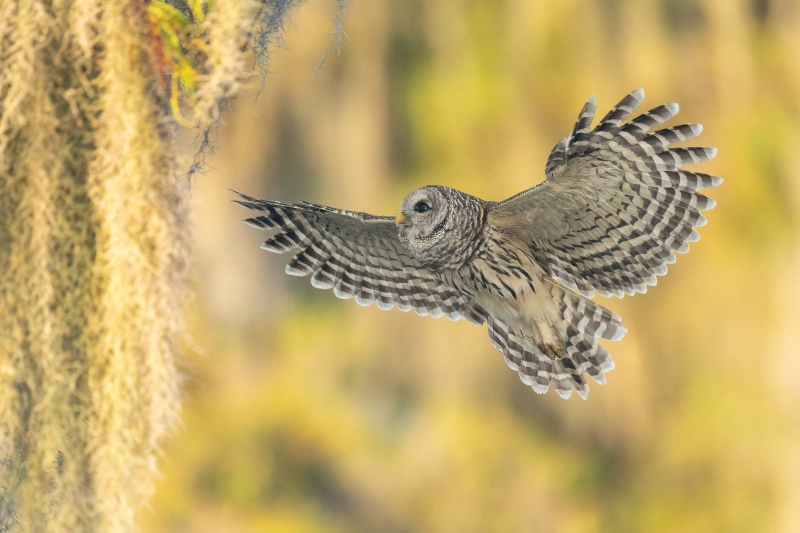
673	108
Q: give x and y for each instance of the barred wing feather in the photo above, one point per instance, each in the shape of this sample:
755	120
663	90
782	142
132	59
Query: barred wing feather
359	256
616	204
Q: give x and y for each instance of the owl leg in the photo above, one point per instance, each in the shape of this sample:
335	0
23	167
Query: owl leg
546	338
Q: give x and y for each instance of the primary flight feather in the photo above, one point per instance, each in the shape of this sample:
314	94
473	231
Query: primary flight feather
614	209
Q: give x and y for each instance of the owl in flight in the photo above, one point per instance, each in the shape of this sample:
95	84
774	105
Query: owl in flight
614	209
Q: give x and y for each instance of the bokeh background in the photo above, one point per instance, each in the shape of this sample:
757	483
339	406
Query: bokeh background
307	413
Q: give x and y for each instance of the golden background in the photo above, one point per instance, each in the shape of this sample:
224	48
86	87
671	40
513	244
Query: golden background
307	413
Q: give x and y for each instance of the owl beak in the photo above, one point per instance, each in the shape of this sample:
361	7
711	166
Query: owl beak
400	219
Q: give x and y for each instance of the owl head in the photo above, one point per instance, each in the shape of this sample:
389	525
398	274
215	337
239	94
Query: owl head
434	222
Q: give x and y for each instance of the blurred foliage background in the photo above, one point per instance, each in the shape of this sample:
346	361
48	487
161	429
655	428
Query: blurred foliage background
307	413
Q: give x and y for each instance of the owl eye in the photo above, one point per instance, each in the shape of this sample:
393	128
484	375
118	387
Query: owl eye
421	207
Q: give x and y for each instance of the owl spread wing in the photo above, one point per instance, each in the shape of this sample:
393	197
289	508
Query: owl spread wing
359	256
616	204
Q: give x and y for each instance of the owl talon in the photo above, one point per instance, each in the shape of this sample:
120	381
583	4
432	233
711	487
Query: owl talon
554	351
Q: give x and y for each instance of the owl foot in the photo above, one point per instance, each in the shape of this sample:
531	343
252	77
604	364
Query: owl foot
554	350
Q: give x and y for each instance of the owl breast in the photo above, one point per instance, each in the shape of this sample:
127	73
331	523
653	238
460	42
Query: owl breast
505	280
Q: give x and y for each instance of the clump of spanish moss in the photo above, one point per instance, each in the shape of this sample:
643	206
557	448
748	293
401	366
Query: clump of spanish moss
210	54
94	238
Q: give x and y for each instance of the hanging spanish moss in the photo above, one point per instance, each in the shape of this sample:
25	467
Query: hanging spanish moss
94	238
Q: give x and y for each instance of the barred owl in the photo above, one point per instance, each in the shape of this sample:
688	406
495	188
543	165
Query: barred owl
614	208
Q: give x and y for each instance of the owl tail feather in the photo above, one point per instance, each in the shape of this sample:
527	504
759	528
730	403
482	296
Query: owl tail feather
577	352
